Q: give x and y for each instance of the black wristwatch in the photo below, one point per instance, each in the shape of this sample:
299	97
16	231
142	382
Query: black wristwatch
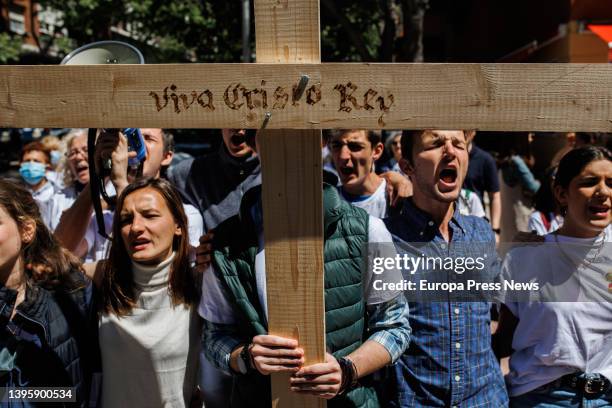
497	231
244	359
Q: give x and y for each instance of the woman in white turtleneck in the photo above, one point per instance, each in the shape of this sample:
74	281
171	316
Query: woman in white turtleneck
149	330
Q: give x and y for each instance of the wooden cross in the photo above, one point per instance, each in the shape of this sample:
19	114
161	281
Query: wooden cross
515	97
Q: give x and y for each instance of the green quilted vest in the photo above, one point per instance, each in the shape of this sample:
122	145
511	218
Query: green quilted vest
346	237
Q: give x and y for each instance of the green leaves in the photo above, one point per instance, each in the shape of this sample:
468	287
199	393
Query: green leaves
10	48
210	30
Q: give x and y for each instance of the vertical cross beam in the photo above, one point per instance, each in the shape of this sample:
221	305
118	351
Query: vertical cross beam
287	31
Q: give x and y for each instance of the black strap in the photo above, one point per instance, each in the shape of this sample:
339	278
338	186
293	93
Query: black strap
96	183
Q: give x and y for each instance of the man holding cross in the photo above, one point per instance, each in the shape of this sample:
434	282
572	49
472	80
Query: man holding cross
365	331
450	361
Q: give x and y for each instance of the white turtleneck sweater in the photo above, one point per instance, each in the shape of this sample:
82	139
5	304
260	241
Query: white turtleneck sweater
150	357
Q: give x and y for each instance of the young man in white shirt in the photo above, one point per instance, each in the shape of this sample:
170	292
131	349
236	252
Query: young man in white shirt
354	153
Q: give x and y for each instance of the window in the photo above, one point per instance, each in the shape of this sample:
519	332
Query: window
17	22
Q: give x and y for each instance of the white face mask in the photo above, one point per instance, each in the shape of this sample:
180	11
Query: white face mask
56	155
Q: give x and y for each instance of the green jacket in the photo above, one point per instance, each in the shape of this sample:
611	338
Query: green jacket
346	238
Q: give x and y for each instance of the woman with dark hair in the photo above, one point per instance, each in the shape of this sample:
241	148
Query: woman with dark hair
46	335
561	347
149	329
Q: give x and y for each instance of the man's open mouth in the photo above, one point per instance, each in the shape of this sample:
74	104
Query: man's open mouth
448	175
237	139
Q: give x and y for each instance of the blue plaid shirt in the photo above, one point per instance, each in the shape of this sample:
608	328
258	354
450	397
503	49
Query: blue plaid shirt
449	361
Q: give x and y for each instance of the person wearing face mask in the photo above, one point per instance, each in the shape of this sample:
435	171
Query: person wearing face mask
560	338
54	145
78	228
35	161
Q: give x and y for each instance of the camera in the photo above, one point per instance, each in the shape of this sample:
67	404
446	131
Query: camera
135	144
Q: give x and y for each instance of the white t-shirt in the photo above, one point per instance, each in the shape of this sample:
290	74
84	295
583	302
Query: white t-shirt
61	201
195	224
536	224
470	204
97	245
43	198
553	339
376	205
215	307
56	178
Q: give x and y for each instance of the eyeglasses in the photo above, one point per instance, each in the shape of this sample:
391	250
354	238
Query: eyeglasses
73	152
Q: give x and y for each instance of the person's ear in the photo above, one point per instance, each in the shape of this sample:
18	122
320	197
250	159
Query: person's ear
406	166
177	230
561	196
28	230
377	151
167	159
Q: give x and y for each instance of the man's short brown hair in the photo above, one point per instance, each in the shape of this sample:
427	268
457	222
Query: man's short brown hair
374	137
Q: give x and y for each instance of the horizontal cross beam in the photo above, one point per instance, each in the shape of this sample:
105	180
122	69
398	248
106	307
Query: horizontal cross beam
499	97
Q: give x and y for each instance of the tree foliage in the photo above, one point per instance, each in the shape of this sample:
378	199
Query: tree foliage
210	30
10	48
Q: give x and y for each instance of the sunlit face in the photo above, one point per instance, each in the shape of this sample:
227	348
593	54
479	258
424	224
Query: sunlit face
588	199
440	162
35	156
77	158
235	142
354	156
156	159
10	242
148	228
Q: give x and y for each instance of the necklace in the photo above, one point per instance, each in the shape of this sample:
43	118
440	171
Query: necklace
587	261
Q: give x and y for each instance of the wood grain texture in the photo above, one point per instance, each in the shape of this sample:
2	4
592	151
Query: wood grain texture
510	97
287	31
293	233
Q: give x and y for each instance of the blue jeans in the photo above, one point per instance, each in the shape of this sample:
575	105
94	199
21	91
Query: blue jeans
554	395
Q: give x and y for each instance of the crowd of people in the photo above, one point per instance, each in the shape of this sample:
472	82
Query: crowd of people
170	308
